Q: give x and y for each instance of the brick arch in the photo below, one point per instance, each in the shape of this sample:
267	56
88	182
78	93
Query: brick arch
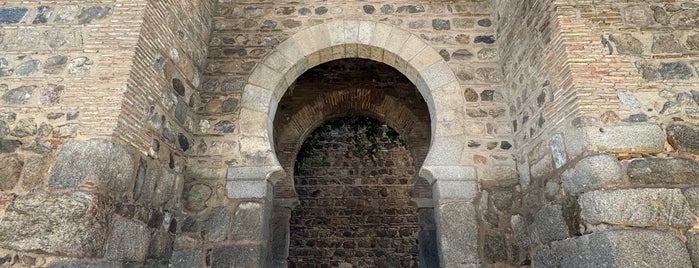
381	42
411	123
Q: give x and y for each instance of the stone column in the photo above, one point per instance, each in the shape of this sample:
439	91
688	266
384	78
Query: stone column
250	231
281	215
454	189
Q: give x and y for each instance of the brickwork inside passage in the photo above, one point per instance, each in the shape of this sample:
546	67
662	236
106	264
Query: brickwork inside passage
354	202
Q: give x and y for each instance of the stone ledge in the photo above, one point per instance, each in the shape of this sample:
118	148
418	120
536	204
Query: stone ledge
616	248
632	138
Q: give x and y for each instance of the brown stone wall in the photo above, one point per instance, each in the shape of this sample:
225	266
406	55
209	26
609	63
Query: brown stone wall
353	210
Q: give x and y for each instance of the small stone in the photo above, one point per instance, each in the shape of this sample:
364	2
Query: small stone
634	118
627	44
487	95
27	68
441	25
487	74
686	19
19	95
321	10
462	23
291	23
474	144
485	22
229	105
4	129
87	15
445	54
665	43
464	76
629	100
487	54
660	15
368	9
42	14
225	126
495	248
55	64
79	65
10	171
72	115
637	15
183	141
181	112
387	9
662	171
476	113
44	130
128	241
505	145
305	11
463	38
411	9
693	42
5	70
218	224
461	54
286	10
10	15
178	86
269	24
488	39
197	196
25	128
470	95
9	146
695	96
675	70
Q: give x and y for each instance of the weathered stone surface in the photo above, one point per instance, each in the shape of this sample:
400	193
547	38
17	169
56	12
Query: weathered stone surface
666	43
25	127
457	231
637	207
664	171
684	138
495	248
616	248
252	256
128	241
550	225
693	246
218	224
87	15
440	24
627	44
693	42
186	259
19	95
10	170
9	15
593	172
85	264
692	195
648	138
674	70
161	245
27	68
9	146
249	222
72	224
100	162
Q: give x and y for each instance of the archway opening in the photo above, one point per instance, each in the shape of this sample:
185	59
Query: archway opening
346	178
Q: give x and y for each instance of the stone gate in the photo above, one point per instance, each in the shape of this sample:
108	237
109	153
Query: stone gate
165	133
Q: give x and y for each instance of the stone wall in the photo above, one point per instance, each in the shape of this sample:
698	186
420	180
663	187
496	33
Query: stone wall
353	210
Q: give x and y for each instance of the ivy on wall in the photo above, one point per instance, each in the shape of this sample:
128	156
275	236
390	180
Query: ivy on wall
367	137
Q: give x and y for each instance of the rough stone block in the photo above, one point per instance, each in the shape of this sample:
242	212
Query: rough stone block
85	264
250	222
616	248
693	246
455	189
638	138
248	189
251	256
186	259
637	207
128	241
457	233
692	195
219	221
71	224
593	172
684	138
97	161
664	171
10	171
550	225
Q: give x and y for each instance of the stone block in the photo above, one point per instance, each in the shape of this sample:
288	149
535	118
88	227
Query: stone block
457	233
693	246
100	162
250	255
265	77
248	189
593	172
445	188
636	138
72	224
692	195
684	138
161	245
495	249
186	259
85	264
128	241
550	225
637	207
651	171
218	223
616	248
10	171
250	222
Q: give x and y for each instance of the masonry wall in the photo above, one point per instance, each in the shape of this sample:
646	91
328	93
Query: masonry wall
353	210
604	140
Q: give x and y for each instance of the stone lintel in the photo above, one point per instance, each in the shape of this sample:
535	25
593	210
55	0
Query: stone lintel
448	173
249	189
